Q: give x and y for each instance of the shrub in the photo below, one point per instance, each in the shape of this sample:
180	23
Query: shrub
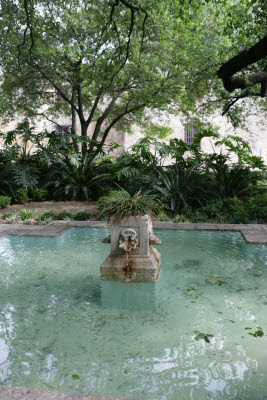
62	215
4	201
77	179
105	200
6	215
21	196
46	215
29	221
213	209
26	214
163	217
104	191
121	205
81	216
233	181
39	194
13	219
180	187
256	207
236	212
180	218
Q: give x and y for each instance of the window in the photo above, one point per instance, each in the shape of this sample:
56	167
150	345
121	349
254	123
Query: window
63	131
190	133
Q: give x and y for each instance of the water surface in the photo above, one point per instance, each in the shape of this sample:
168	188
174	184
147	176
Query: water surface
62	328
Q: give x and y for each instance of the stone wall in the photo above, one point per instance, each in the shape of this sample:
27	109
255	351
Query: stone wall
255	134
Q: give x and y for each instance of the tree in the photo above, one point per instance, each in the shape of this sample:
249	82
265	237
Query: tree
109	60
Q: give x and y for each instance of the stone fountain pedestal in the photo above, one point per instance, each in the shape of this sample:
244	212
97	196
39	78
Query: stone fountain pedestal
139	264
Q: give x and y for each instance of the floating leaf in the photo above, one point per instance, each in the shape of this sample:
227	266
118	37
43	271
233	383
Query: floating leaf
204	336
220	283
258	333
219	312
247	328
231	320
190	288
193	301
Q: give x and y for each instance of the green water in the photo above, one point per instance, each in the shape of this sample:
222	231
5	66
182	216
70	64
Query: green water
62	328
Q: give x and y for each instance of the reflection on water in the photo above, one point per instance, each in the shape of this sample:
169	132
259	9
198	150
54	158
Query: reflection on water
62	328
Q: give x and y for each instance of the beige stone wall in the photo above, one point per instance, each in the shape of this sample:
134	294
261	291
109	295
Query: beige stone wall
256	133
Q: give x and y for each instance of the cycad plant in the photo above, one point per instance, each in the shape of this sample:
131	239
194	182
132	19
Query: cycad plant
75	181
180	187
234	181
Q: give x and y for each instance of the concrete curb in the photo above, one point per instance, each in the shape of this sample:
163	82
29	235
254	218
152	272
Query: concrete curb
252	233
11	393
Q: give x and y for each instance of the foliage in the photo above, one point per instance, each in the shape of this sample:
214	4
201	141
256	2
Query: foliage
180	218
108	64
104	191
234	181
62	216
236	212
13	219
21	196
81	216
258	333
4	201
204	336
180	186
25	175
242	149
39	194
256	207
6	215
75	181
26	214
6	187
163	217
46	215
121	205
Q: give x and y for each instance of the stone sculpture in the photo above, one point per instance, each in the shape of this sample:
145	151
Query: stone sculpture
132	257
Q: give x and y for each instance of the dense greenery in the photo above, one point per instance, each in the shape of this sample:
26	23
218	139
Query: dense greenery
198	188
109	62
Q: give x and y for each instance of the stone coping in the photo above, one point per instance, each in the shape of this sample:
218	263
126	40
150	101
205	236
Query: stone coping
252	233
11	393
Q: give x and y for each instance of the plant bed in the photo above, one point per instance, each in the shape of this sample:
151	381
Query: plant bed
56	207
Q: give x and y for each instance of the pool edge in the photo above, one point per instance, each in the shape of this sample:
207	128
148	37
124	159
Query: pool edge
252	233
20	393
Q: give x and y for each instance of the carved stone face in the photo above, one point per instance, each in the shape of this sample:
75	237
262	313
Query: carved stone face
128	233
128	239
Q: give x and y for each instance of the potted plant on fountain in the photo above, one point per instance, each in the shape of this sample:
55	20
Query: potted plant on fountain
132	255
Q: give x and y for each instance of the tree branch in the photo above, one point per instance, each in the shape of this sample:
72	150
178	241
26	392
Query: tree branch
241	61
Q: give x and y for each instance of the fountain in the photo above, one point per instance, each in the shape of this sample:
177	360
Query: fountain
132	257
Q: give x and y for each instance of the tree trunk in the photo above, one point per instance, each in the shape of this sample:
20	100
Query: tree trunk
84	128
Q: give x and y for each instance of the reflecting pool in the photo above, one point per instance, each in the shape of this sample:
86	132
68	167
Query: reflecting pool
63	328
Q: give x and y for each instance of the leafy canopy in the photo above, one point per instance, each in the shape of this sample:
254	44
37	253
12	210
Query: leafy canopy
112	60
